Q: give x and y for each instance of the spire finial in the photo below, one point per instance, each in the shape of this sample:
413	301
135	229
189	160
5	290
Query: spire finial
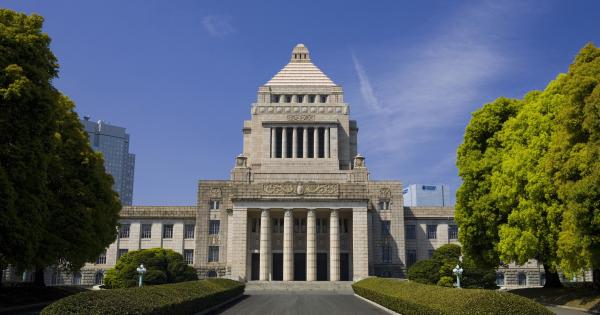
300	54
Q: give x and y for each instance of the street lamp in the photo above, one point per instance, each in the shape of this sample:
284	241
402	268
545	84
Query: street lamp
457	271
141	270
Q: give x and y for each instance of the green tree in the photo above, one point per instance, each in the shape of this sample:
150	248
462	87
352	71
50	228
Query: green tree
424	271
56	201
162	265
477	212
575	153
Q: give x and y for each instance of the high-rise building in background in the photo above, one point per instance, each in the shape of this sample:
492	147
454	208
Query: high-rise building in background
426	196
113	142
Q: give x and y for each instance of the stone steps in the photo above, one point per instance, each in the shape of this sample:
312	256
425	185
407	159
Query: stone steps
273	287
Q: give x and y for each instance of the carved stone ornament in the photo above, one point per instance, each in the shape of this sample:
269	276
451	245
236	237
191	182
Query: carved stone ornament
240	161
359	161
299	189
215	192
300	117
385	193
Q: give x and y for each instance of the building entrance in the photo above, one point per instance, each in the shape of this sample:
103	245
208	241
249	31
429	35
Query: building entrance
277	267
299	266
255	267
344	267
321	266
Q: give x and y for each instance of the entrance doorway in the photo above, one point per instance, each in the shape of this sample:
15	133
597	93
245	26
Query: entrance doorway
344	267
255	267
277	267
321	266
299	266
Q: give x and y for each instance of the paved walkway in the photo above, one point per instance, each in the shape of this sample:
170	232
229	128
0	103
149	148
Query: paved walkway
301	303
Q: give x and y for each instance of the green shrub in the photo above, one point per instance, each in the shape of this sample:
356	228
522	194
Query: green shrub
446	281
424	271
411	298
177	298
162	265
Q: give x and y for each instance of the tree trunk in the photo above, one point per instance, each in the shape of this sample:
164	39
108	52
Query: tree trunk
39	277
552	278
596	278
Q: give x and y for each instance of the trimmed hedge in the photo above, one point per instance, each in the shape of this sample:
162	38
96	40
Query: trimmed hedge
176	298
408	298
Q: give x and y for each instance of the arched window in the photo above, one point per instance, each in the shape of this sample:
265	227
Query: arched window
521	278
99	278
76	279
500	279
211	274
543	278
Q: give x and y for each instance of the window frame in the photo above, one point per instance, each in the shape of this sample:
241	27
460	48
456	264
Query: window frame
167	231
214	227
213	253
146	233
189	229
432	231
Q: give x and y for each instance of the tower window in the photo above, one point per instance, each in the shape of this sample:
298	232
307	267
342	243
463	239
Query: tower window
323	98
311	98
288	98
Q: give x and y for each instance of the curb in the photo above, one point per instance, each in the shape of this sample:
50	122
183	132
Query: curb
216	307
571	308
377	305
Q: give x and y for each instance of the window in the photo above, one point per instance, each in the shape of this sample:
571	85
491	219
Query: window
428	187
386	252
431	231
500	279
311	98
384	205
213	227
430	253
188	256
404	191
321	225
323	98
255	225
146	231
76	279
542	278
453	232
213	253
299	225
300	98
101	259
385	228
211	274
121	252
521	278
189	231
124	231
278	225
99	278
410	231
168	231
215	204
411	257
288	98
343	225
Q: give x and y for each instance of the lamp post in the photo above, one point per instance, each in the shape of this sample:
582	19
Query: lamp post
141	271
457	271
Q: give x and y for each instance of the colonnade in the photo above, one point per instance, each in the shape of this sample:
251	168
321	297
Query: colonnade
280	146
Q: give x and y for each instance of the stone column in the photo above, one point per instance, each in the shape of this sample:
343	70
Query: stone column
284	142
295	142
305	142
282	98
273	142
334	246
311	246
305	99
360	244
265	245
288	245
326	142
239	250
316	143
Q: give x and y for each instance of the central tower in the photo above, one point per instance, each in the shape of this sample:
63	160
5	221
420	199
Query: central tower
300	128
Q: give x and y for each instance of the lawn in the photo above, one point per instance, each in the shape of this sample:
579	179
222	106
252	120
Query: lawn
581	297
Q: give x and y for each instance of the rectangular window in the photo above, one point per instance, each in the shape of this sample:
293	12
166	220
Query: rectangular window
189	231
215	204
322	225
188	256
213	253
453	232
300	225
410	231
278	225
124	231
168	231
121	252
146	231
385	228
411	257
428	187
255	225
101	260
387	253
431	231
213	227
384	205
343	225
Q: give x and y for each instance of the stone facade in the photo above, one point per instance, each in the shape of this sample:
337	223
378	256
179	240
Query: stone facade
299	204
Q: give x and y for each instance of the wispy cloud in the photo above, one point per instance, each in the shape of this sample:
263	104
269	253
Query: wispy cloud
427	92
366	90
218	25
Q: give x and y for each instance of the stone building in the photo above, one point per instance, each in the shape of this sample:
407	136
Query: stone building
299	204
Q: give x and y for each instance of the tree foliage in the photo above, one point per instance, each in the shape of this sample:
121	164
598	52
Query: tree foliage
162	265
56	200
531	176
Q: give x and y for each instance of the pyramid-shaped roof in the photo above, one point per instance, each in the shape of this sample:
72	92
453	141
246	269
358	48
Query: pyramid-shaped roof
300	71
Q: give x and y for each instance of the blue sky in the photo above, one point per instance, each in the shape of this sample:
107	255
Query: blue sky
181	75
